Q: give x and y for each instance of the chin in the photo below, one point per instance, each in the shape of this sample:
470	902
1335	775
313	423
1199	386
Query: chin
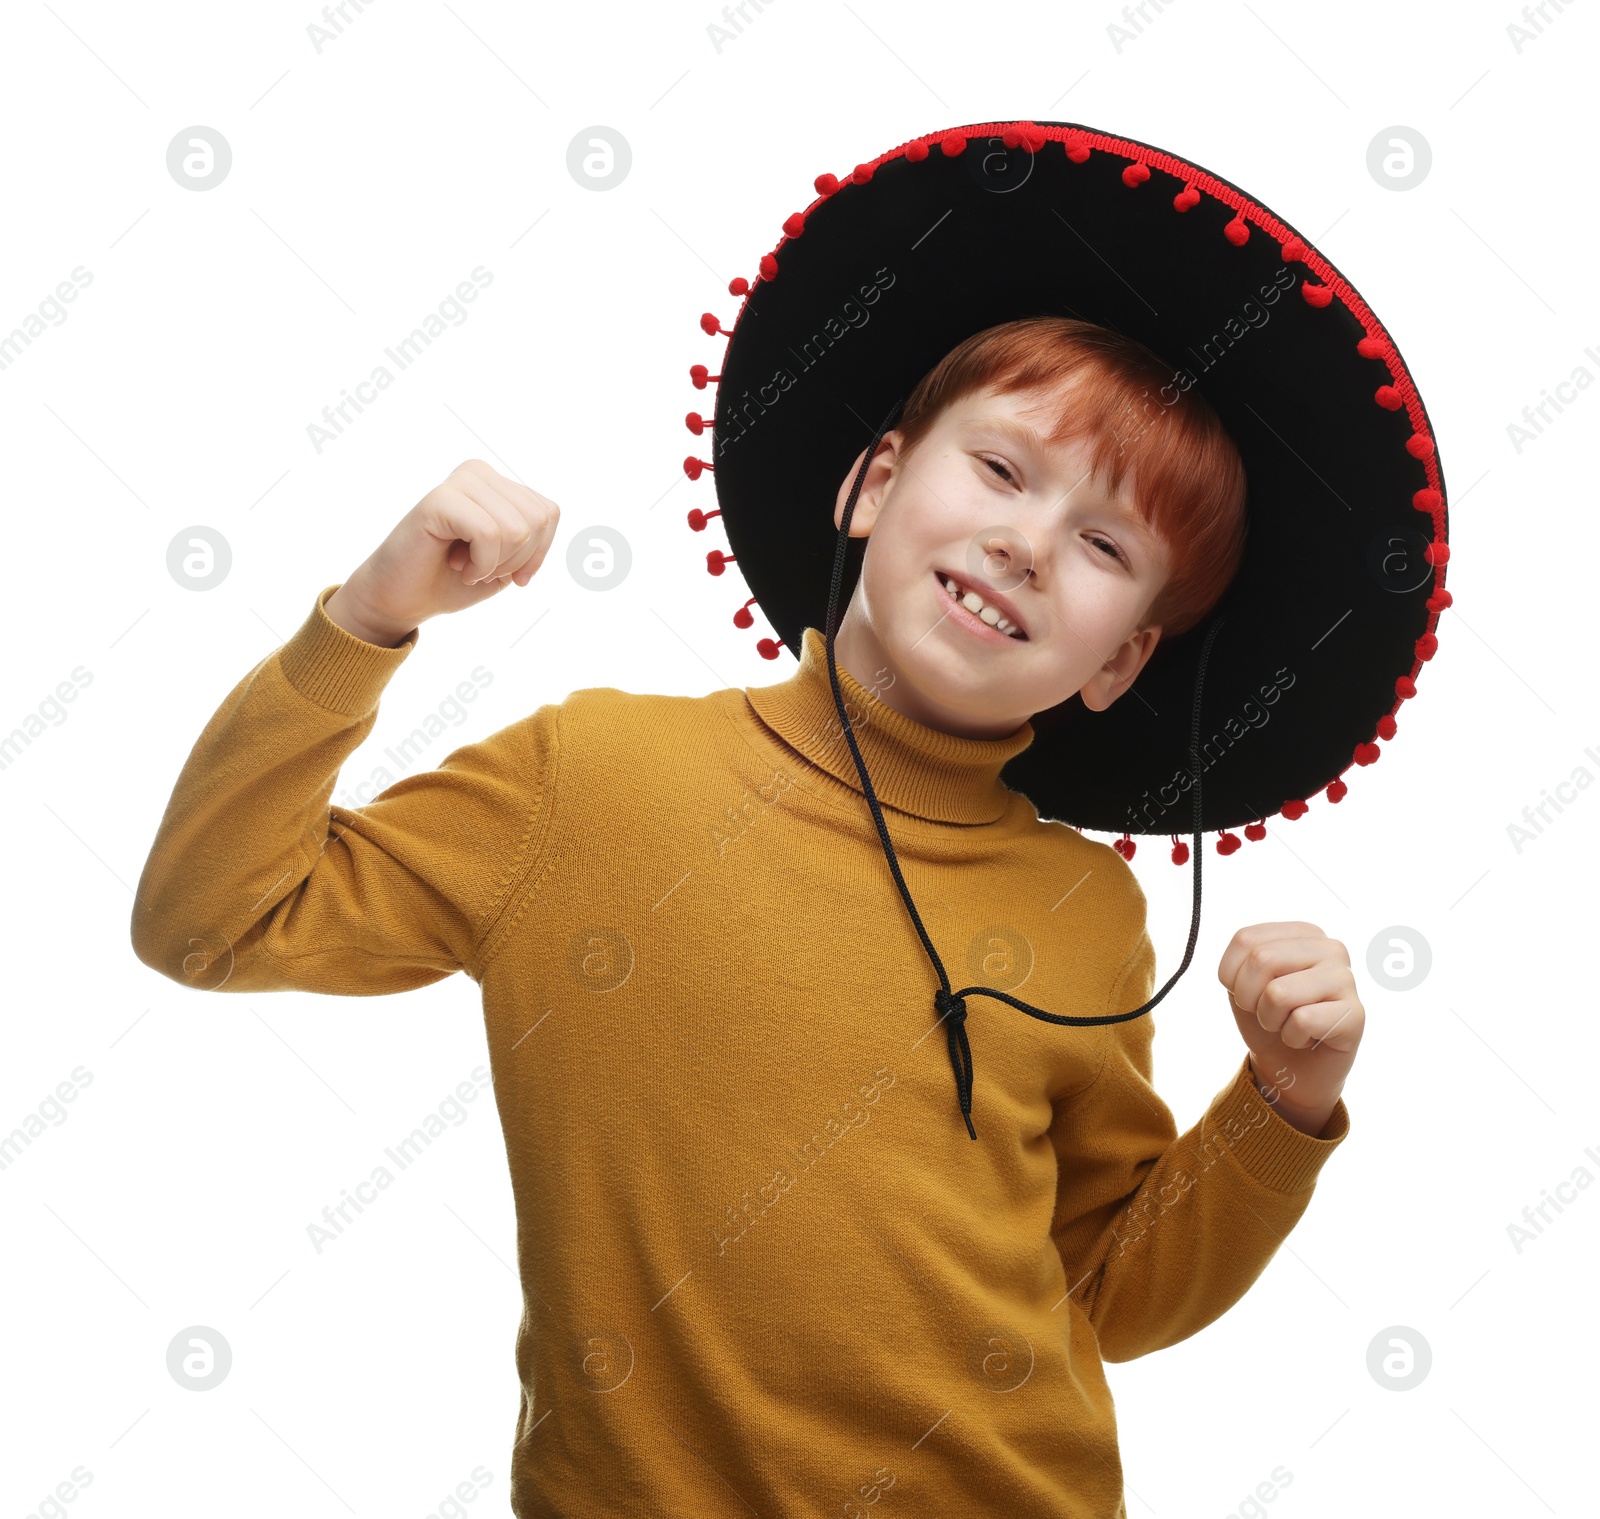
959	691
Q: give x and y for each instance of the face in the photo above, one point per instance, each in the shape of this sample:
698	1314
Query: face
1059	572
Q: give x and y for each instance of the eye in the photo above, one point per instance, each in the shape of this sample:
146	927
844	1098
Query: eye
999	468
1105	543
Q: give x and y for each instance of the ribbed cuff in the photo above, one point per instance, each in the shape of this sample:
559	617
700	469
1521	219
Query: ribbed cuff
330	666
1270	1148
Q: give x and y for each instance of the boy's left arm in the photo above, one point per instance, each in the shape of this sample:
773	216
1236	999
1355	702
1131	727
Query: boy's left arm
1162	1233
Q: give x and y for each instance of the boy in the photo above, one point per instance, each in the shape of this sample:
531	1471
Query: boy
763	1270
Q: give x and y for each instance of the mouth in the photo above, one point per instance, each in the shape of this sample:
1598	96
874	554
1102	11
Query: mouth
980	612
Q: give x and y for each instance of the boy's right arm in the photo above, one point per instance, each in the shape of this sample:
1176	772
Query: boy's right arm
254	883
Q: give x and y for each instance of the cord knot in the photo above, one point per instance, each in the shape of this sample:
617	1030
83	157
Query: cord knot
952	1010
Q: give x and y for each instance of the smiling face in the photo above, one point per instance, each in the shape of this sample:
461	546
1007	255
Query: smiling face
1058	573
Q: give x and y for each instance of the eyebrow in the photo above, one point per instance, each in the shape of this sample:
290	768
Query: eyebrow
1025	437
1017	432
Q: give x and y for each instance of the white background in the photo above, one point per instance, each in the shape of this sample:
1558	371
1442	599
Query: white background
371	177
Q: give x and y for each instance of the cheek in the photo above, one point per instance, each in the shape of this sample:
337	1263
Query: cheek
1096	608
890	571
1104	590
898	552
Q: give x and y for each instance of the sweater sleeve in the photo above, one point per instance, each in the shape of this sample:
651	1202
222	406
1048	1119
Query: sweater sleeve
255	883
1162	1233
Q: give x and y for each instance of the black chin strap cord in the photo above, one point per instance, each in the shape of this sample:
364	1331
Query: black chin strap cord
951	1005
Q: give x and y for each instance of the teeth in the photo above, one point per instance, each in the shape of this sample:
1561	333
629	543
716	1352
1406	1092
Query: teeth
974	603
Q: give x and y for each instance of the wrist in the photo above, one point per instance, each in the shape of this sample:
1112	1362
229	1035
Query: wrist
1310	1121
346	608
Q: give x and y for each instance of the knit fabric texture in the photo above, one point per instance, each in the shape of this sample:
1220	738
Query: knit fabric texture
765	1269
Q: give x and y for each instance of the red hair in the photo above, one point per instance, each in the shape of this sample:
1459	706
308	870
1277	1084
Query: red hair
1189	490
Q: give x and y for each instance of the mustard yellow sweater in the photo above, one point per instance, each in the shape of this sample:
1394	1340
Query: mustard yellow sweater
765	1269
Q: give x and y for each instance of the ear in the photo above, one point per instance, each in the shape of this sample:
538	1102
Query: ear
873	489
1119	672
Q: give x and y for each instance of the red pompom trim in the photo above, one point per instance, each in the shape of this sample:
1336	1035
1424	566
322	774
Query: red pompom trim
1135	174
1427	646
1237	231
825	184
1294	250
1228	842
1439	600
1336	790
1024	133
794	224
1388	398
1180	853
1405	688
1077	146
1427	499
1294	808
1366	754
1316	295
1373	348
916	151
1419	445
862	174
1186	199
1437	552
1255	831
768	267
952	143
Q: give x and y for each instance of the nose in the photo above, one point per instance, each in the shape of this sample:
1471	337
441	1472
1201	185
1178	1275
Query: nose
1019	555
1007	557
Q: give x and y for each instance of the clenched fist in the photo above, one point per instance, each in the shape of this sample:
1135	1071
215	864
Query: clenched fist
468	537
1294	999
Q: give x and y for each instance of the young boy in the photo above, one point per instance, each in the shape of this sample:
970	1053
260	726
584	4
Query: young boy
764	1270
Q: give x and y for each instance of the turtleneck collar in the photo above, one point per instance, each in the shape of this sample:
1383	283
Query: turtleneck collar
914	768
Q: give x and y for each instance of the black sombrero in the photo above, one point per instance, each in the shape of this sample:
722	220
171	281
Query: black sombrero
1337	599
